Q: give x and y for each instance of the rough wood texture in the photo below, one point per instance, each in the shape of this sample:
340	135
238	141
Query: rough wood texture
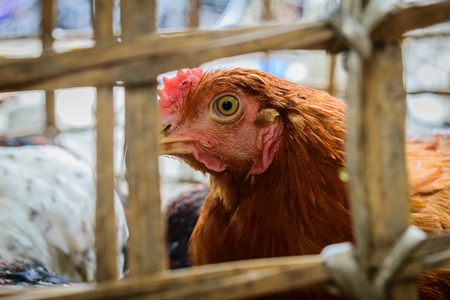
147	251
163	54
376	150
410	16
199	282
376	154
221	281
105	218
137	62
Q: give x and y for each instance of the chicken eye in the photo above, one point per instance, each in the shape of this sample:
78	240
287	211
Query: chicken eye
226	106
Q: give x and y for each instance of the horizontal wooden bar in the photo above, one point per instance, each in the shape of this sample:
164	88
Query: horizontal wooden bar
412	15
140	61
432	255
235	279
157	53
223	281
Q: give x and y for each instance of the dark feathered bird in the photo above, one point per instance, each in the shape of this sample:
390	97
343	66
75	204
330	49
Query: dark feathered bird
182	214
8	141
25	273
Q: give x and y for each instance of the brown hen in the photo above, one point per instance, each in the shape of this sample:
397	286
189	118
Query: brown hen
274	152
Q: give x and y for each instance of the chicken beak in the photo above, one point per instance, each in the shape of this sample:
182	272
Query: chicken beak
179	145
175	146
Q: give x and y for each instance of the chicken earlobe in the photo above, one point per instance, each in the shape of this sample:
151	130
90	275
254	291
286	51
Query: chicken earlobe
269	138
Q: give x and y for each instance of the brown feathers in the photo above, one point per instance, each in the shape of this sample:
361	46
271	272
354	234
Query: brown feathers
279	191
429	172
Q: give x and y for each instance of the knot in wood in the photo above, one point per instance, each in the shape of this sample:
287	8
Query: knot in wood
348	276
348	31
354	28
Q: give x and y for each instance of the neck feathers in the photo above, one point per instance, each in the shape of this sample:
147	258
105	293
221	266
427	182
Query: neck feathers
298	206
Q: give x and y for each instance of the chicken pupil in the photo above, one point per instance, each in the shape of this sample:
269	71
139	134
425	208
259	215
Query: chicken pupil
227	105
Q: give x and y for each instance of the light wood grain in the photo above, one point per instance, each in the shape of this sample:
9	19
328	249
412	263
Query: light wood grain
220	281
130	61
74	69
279	274
105	218
375	149
147	251
412	15
376	155
106	248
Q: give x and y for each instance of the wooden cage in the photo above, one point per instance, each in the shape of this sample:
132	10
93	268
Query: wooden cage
386	244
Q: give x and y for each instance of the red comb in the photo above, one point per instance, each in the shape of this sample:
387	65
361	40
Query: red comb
176	88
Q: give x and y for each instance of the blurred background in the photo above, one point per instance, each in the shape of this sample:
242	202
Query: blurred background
426	60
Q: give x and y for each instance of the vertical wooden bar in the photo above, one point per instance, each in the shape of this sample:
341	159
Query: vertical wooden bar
106	247
376	156
103	22
267	11
47	25
50	108
137	17
331	83
193	12
147	253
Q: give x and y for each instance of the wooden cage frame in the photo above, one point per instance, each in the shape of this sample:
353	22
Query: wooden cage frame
386	245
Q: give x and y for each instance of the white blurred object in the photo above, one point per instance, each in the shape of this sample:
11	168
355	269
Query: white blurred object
429	109
74	107
296	72
47	196
22	113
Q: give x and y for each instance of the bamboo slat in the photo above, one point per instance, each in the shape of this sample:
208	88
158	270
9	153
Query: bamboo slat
73	69
410	16
193	13
47	24
103	22
147	251
267	10
306	271
376	155
331	75
106	248
232	280
50	106
123	61
105	217
138	17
